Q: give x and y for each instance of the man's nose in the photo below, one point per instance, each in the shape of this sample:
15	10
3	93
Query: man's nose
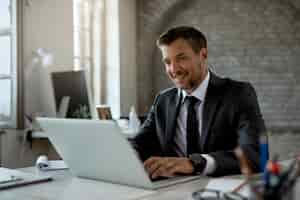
173	67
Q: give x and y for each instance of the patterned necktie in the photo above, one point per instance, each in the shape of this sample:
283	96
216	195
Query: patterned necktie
192	125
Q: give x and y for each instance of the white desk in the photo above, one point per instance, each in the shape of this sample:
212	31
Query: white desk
65	187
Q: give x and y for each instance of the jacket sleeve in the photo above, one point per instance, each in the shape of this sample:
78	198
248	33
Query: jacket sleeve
146	142
250	125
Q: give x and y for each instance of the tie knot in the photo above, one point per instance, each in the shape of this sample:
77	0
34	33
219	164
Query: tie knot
191	100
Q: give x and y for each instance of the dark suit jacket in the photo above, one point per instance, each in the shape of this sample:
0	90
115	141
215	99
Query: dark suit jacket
231	117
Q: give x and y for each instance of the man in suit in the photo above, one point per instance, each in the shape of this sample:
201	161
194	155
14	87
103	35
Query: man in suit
195	126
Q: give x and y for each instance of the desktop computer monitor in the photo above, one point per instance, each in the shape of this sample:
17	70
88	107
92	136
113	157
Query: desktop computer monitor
72	85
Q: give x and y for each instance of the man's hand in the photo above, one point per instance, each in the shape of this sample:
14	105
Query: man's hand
168	166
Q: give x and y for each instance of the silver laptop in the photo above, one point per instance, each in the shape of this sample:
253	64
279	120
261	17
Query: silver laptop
97	149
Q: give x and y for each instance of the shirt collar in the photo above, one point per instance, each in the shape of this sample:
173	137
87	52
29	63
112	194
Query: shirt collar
200	91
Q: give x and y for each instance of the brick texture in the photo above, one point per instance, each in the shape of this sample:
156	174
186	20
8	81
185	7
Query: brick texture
256	41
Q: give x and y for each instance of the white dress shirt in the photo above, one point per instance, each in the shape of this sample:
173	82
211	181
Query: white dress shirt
180	135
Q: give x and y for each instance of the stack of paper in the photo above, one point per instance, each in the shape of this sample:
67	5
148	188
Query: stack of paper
12	178
228	185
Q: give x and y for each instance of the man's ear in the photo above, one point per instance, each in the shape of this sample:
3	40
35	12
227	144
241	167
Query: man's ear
203	53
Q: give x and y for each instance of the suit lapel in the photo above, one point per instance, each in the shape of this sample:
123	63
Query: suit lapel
213	96
172	113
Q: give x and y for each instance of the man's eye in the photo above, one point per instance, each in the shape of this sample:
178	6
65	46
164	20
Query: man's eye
182	58
167	62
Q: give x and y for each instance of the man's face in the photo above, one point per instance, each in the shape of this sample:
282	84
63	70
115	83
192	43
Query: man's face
184	67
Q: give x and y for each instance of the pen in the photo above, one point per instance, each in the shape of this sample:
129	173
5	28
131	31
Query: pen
245	168
240	186
244	162
290	176
263	151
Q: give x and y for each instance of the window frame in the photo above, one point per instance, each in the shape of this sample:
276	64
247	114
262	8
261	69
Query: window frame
12	33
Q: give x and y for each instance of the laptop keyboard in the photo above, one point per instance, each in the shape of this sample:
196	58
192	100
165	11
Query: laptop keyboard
167	178
159	179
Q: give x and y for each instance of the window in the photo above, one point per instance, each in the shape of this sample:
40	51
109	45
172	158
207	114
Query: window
82	34
88	16
104	46
8	69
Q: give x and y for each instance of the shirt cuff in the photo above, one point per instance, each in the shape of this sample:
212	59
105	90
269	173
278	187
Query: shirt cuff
210	164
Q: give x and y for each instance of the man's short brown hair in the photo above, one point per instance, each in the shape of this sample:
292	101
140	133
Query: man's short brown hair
195	38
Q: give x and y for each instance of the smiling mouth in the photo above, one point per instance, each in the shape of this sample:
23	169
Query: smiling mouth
178	76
